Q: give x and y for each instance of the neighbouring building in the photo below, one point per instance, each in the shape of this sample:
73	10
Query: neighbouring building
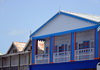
69	41
18	57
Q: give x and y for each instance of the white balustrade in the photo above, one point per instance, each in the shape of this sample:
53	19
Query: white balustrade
84	54
61	57
41	59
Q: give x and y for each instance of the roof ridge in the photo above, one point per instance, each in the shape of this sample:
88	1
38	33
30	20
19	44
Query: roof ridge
79	13
20	42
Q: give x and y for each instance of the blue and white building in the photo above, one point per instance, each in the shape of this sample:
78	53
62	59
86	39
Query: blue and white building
68	41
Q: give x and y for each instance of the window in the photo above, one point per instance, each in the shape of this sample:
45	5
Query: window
61	48
14	51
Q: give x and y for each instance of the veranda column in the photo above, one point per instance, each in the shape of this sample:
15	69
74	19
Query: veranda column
51	48
33	51
96	44
73	40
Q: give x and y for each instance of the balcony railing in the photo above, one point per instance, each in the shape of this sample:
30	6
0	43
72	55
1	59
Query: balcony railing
41	59
61	57
84	54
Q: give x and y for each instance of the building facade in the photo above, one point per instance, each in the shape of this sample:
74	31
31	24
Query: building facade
18	57
70	41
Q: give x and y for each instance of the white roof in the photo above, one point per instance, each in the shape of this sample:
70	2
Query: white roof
87	16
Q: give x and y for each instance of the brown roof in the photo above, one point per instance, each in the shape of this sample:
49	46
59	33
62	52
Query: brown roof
20	45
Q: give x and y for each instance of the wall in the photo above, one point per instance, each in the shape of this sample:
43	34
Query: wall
14	60
24	59
62	23
85	35
6	61
63	39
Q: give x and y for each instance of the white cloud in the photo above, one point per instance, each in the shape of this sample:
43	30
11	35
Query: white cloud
17	32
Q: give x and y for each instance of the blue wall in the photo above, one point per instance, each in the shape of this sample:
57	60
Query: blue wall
89	64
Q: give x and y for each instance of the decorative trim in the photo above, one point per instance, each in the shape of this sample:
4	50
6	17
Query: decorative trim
71	60
50	62
66	32
33	64
96	58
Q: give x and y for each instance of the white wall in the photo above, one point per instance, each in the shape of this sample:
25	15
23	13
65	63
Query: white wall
62	23
24	59
14	60
63	39
85	36
6	61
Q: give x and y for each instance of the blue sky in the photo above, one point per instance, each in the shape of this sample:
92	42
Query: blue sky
18	17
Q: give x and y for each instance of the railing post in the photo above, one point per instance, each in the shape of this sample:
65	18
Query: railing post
51	48
73	38
33	51
96	44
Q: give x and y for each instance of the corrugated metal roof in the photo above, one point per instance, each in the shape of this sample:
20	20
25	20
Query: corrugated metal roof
87	16
20	45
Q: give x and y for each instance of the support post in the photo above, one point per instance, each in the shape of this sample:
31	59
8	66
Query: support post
2	63
73	38
29	59
33	51
96	44
51	48
19	62
10	63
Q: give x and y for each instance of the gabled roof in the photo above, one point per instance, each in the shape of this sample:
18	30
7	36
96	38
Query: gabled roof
27	44
18	45
88	18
